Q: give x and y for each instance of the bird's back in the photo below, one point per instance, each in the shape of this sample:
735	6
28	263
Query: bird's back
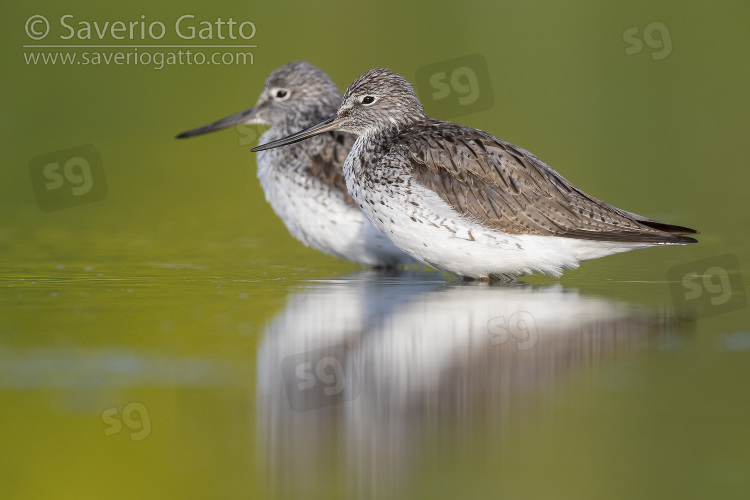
506	188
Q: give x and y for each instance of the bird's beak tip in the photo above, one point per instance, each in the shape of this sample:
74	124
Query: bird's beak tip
242	116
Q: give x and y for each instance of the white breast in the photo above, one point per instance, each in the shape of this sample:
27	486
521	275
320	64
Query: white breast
317	215
420	223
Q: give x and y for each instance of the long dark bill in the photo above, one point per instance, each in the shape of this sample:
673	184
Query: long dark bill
326	125
218	125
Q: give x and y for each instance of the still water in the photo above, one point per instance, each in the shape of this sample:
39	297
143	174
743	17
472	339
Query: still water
192	380
166	338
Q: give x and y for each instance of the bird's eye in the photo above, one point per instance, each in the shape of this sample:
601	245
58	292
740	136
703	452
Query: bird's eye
368	99
280	94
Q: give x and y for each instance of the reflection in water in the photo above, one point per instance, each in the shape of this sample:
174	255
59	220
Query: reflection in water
354	374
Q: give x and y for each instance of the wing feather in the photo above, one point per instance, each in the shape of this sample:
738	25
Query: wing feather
328	164
506	188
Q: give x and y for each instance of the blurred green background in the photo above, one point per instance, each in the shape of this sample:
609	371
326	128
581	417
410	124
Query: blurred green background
172	275
656	137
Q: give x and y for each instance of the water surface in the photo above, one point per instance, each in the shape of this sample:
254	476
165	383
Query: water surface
198	379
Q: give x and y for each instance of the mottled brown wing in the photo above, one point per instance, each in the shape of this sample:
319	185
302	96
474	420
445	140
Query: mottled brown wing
328	164
507	188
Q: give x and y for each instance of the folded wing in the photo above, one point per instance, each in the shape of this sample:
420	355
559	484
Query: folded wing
506	188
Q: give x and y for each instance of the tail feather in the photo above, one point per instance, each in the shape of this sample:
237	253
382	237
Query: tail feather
668	228
648	235
667	233
653	232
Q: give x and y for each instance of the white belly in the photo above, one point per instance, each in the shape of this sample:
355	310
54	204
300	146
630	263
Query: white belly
318	216
420	223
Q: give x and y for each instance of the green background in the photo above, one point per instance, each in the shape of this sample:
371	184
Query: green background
159	293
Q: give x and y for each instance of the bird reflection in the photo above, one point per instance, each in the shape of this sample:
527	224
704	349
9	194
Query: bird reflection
355	373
